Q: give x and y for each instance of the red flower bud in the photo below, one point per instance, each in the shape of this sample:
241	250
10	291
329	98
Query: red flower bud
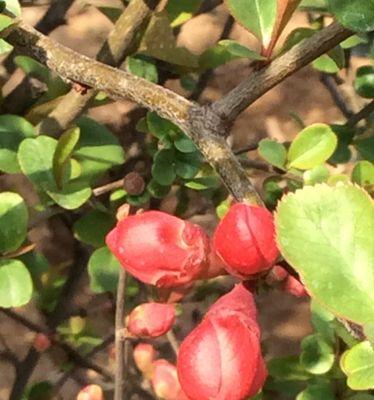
144	357
221	358
245	240
294	287
151	319
41	342
159	249
91	392
165	381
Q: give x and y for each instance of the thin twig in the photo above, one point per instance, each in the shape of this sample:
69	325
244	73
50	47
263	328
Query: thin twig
365	113
331	85
108	187
173	341
120	338
260	82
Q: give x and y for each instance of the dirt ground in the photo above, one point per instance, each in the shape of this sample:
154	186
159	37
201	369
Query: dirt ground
283	317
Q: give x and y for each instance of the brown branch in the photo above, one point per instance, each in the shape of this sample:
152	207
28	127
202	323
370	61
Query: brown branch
365	113
120	338
200	123
113	52
260	82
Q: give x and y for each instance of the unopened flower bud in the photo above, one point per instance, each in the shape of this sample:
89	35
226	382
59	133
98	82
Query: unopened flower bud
144	357
91	392
151	319
134	184
245	240
160	249
41	342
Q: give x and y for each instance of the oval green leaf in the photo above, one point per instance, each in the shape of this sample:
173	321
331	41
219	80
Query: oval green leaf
317	355
364	83
15	284
13	221
358	364
312	146
274	153
325	233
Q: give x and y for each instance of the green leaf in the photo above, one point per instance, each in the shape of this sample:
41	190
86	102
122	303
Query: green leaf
315	175
33	68
364	83
13	221
257	16
317	355
331	62
92	227
103	269
5	22
73	195
35	157
5	47
184	144
369	332
320	390
353	41
13	130
274	153
142	66
63	152
204	183
112	13
288	369
161	127
13	6
156	190
312	147
358	364
363	173
163	167
180	11
366	148
322	321
15	284
325	234
357	15
225	51
361	396
342	153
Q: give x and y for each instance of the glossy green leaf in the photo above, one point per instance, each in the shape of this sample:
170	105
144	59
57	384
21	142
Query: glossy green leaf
364	83
142	66
5	22
163	170
13	6
13	130
161	127
156	190
325	233
258	16
366	148
204	183
65	147
319	390
273	152
13	221
15	284
342	153
288	369
103	269
331	62
35	157
93	226
72	196
363	173
317	355
180	11
185	144
315	175
358	364
312	147
225	51
357	15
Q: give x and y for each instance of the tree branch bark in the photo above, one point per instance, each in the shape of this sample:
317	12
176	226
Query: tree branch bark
113	52
260	82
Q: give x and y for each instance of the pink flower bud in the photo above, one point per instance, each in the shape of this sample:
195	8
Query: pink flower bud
294	287
165	381
144	357
245	240
221	358
151	319
91	392
41	342
159	249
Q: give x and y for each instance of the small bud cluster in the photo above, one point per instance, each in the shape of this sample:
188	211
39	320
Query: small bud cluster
221	357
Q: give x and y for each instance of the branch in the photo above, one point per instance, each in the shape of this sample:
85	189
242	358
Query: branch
200	123
120	338
260	82
113	52
365	113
